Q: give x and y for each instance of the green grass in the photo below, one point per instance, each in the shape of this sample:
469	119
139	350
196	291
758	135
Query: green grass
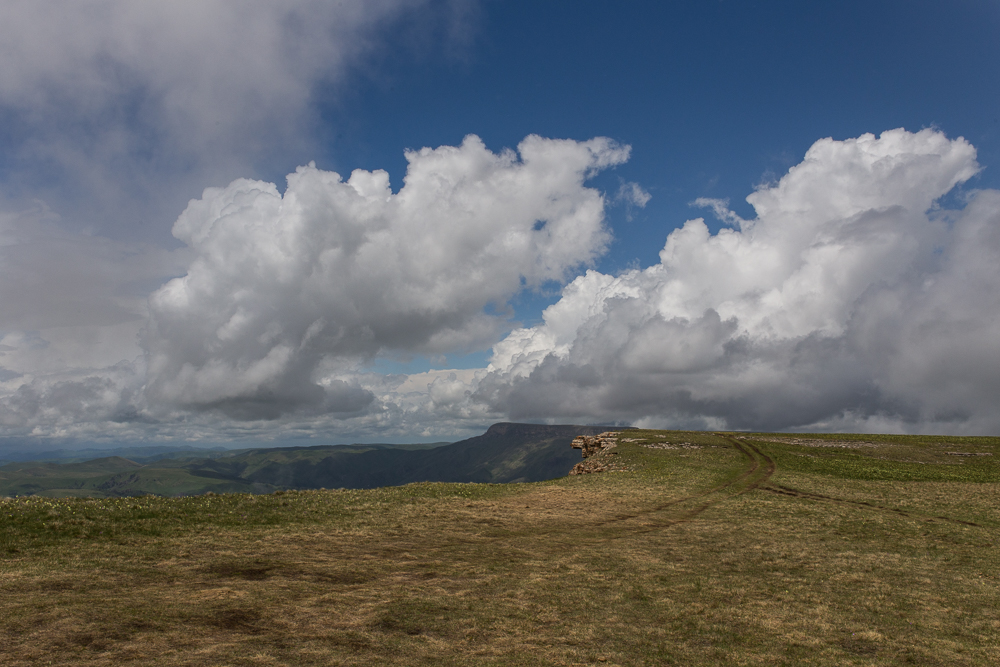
861	466
724	550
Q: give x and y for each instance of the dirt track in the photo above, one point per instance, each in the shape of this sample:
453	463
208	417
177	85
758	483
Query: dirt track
757	475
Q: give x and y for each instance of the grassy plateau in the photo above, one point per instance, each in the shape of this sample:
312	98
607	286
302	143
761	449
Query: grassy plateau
690	549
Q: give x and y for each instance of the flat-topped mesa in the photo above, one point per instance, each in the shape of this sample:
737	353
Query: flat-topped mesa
593	444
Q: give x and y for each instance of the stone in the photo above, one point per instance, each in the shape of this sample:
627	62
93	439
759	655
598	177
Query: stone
594	446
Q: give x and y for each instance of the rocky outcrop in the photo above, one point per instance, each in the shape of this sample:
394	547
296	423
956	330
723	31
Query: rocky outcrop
593	444
595	449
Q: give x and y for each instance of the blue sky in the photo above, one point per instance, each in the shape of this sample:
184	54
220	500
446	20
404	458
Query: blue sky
115	116
713	97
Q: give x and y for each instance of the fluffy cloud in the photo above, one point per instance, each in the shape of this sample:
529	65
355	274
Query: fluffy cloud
850	300
115	113
73	307
119	110
289	293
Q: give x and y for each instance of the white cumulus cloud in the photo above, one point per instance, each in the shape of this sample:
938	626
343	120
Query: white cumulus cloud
289	293
849	299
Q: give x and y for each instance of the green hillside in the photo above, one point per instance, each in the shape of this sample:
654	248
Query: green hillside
505	453
63	479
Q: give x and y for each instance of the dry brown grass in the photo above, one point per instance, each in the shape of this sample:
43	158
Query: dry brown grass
692	557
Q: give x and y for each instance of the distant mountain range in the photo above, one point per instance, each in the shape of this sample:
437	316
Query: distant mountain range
505	453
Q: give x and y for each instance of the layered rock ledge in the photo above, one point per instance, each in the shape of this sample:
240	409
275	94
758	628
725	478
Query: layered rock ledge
595	449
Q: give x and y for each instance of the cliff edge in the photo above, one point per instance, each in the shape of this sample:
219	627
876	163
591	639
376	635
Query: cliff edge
596	451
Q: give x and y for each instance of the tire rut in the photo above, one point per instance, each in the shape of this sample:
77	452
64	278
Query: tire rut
783	490
758	459
753	454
